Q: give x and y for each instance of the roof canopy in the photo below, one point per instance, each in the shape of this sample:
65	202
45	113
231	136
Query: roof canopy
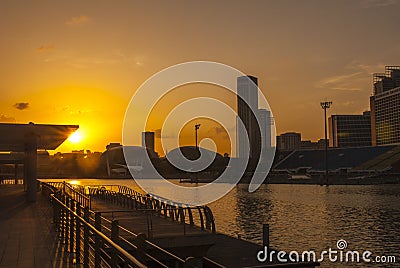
13	137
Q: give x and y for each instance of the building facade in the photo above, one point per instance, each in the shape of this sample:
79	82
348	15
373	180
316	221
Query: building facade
265	126
350	130
385	107
288	141
247	102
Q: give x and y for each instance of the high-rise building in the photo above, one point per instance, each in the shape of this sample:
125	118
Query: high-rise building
385	107
350	130
265	126
288	141
148	140
247	102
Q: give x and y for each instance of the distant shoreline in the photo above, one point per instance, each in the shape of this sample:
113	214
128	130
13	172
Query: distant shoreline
271	180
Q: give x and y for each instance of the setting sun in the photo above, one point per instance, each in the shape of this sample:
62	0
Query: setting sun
75	137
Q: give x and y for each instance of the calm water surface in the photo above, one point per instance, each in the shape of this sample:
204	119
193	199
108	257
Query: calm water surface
310	217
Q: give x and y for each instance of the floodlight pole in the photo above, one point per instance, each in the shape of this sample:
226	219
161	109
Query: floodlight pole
326	105
196	127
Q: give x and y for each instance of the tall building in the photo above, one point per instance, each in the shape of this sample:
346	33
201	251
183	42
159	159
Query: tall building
288	141
247	102
385	107
350	130
148	140
265	126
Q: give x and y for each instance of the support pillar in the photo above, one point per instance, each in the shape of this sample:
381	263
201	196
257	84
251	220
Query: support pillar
30	166
16	174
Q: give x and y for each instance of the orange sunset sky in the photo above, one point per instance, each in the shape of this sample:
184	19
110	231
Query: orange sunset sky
80	62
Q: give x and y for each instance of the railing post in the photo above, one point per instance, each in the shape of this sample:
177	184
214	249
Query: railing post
97	242
115	238
191	221
67	216
210	223
86	239
141	247
71	229
90	200
208	220
201	218
78	234
266	235
62	219
56	212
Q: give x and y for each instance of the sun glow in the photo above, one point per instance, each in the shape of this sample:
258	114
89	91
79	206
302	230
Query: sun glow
75	137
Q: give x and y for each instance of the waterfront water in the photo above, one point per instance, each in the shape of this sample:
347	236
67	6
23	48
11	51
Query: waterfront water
311	217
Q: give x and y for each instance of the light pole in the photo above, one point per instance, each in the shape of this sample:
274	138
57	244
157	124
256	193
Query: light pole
196	127
326	105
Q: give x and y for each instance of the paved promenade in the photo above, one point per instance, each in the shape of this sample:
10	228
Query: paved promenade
27	236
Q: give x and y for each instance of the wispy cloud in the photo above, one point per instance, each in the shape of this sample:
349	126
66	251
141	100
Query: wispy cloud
379	3
137	60
7	119
78	20
341	82
76	111
358	76
45	48
363	67
21	105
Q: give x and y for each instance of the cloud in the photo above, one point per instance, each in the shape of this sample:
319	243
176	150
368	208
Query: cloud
21	105
357	79
340	82
7	119
78	20
45	48
379	3
363	67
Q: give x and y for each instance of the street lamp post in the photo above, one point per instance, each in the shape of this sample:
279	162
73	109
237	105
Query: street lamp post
196	127
326	105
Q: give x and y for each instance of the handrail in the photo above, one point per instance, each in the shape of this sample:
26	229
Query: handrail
68	189
125	254
160	206
79	196
108	230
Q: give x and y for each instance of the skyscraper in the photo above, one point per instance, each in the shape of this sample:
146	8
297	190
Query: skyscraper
148	140
247	102
385	107
265	126
350	130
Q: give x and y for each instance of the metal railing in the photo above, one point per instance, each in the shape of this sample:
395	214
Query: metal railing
76	192
10	180
97	241
186	215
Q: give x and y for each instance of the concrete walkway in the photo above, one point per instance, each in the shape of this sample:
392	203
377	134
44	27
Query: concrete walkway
27	235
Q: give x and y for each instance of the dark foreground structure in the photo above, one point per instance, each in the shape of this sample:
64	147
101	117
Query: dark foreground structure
111	225
19	144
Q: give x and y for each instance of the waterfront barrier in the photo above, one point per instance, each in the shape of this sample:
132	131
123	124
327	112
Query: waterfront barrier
153	205
105	238
96	241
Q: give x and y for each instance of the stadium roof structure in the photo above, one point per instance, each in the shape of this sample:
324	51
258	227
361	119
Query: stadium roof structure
27	139
337	157
13	137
